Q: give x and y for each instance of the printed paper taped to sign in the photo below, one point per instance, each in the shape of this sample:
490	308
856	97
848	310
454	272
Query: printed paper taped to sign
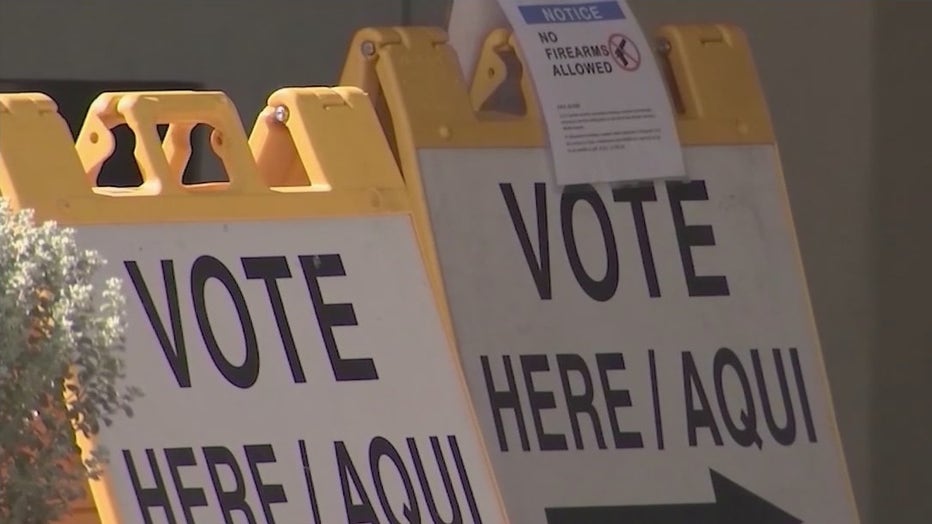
605	104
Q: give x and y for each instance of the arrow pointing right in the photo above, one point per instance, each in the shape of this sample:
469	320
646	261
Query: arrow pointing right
733	505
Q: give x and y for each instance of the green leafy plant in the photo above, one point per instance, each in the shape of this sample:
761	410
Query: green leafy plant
61	371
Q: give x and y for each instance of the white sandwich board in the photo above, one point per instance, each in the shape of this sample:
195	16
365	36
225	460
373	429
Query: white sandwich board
294	362
635	352
641	352
293	371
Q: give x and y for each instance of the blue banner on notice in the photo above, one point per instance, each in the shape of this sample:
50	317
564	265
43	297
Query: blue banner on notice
571	13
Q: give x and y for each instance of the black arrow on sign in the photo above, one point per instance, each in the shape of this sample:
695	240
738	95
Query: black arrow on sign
733	505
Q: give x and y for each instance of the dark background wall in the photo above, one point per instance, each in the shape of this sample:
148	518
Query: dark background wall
849	97
901	358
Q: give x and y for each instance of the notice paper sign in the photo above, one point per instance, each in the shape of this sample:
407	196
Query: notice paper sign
605	104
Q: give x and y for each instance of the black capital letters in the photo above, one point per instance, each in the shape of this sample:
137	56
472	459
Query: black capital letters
148	498
600	290
745	435
538	265
702	416
362	513
205	268
457	514
786	434
464	478
268	493
309	481
540	400
189	497
381	447
636	196
803	396
502	400
230	501
176	354
616	398
331	315
270	270
692	236
578	404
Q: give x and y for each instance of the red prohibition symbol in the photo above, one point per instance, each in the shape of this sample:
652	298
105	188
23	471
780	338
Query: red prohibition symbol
624	51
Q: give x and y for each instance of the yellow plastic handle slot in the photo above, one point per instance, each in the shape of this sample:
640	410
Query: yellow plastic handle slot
161	163
715	81
429	104
500	83
38	163
322	139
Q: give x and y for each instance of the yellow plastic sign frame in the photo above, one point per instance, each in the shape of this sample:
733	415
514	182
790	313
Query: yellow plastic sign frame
41	168
413	77
424	103
326	141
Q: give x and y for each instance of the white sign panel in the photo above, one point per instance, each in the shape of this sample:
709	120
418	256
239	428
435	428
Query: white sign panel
640	353
601	93
293	372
